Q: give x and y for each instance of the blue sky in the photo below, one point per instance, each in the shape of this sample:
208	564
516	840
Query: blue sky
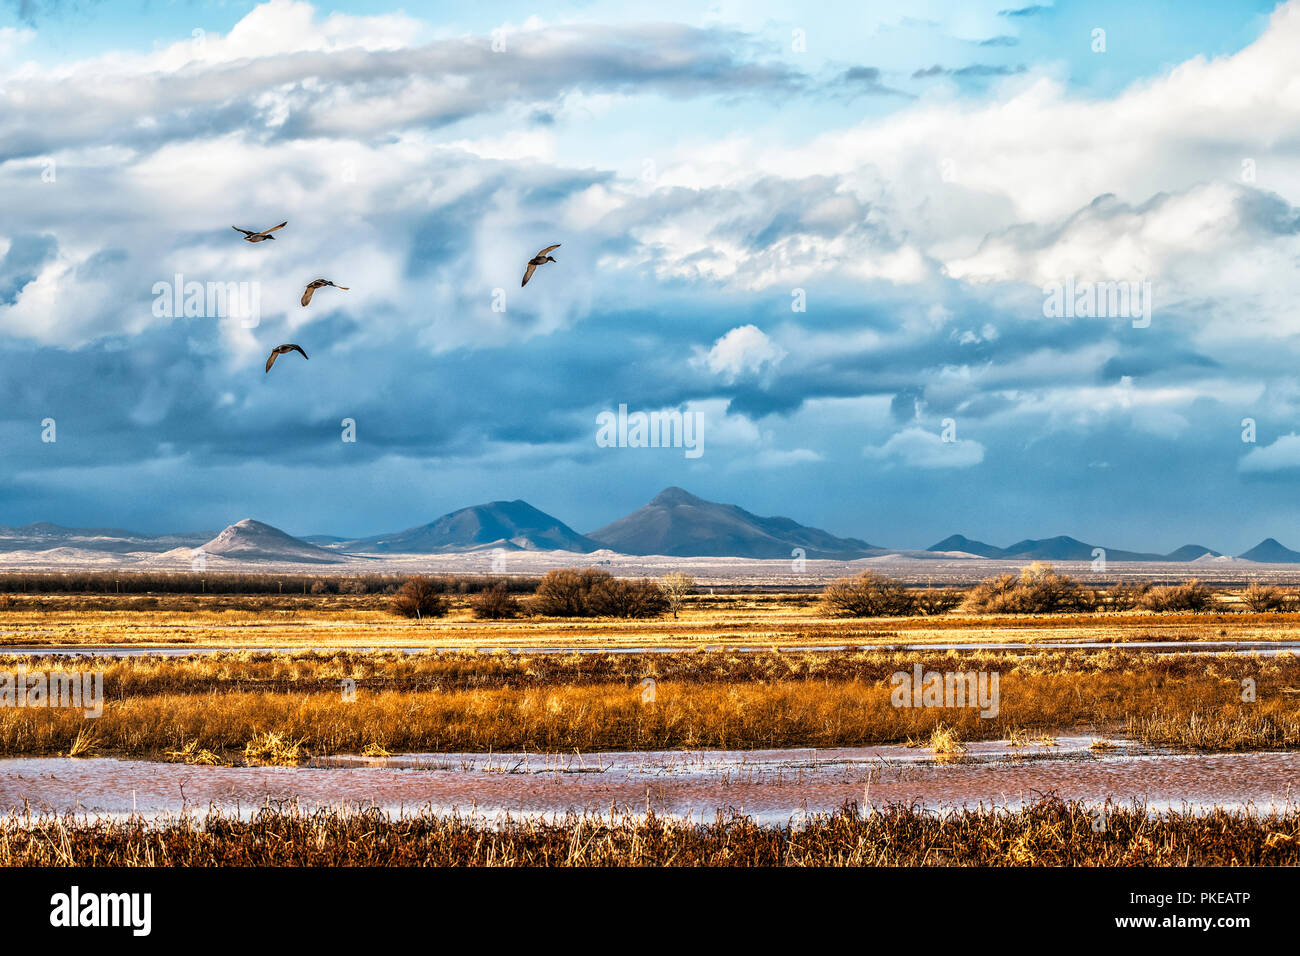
918	181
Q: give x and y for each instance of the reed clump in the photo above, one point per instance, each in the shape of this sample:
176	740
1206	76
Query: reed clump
191	753
274	748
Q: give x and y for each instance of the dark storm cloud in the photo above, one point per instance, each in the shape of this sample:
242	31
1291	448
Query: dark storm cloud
866	79
27	253
975	70
1163	357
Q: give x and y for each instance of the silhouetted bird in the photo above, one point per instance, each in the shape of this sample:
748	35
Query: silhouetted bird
280	350
540	259
318	284
260	236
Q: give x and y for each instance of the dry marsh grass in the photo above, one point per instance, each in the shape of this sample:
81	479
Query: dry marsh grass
1048	833
272	748
282	707
344	621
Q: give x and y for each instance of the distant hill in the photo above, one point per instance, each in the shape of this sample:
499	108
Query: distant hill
44	536
504	524
1269	551
250	540
1061	548
959	542
1065	548
1191	552
677	523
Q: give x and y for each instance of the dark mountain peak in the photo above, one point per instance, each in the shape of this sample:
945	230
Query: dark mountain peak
672	496
679	524
1191	552
1057	541
510	524
959	542
1271	551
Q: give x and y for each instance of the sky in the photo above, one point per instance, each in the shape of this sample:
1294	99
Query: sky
830	234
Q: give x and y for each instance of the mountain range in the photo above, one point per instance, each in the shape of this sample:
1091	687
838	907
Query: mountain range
675	523
1063	548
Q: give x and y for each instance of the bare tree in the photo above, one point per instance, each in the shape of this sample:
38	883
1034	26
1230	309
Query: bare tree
677	586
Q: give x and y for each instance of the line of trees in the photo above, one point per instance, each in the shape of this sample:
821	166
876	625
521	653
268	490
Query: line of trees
563	592
228	582
1037	589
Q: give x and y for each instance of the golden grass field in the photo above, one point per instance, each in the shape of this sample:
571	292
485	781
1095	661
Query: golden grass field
222	707
519	684
750	620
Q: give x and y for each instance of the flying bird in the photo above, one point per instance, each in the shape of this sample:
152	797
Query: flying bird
318	284
540	259
260	236
280	350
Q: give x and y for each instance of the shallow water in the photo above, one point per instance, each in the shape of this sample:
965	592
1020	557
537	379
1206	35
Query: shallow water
770	785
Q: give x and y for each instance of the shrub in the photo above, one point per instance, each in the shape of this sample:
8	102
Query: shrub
419	597
568	592
495	603
1125	597
867	595
618	597
1037	590
1265	597
934	601
562	592
1190	596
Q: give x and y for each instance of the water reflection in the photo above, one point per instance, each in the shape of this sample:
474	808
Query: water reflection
771	785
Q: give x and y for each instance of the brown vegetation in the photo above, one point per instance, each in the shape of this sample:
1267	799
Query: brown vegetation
224	582
1265	597
867	595
1037	590
1050	832
552	703
495	604
1189	596
591	592
419	597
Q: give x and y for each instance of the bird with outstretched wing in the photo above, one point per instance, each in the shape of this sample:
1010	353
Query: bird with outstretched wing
318	284
541	258
250	236
281	350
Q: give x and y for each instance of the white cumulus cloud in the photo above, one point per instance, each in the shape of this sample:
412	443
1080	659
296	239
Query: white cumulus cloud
917	448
